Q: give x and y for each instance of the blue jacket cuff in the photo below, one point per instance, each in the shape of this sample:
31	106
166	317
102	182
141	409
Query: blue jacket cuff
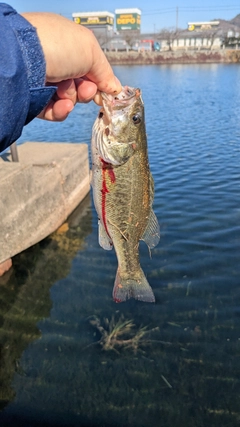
34	61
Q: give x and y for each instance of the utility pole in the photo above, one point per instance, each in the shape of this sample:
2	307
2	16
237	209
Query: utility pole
176	18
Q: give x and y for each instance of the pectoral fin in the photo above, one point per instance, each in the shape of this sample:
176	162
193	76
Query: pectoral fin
104	240
151	235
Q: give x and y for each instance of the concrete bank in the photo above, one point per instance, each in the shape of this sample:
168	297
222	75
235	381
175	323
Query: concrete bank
39	192
174	57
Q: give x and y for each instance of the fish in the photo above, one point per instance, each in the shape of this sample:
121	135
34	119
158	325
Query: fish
123	189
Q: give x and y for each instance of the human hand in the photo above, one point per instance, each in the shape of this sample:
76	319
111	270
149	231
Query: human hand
75	63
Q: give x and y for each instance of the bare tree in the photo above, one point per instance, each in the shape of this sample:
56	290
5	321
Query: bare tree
104	38
168	35
212	36
130	37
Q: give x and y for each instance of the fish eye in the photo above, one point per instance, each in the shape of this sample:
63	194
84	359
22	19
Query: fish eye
136	119
100	115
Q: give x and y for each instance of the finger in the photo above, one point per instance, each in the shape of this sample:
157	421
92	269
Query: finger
86	90
102	74
105	80
66	89
57	111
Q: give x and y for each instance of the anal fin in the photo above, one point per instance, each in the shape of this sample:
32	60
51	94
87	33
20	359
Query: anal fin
151	235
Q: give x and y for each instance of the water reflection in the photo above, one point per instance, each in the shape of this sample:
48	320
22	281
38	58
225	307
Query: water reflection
24	291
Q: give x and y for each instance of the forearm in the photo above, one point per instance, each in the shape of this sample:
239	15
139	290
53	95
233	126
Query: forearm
22	75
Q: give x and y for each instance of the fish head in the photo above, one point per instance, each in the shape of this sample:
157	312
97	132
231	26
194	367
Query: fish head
120	123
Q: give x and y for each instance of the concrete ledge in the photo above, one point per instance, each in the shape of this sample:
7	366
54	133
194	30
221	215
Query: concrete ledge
39	193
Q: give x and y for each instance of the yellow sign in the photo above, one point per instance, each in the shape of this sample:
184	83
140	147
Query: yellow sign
191	27
130	21
93	20
125	15
125	21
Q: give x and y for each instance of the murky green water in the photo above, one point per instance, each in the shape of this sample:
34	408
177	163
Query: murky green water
173	363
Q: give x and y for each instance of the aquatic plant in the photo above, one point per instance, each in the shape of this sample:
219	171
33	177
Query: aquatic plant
121	334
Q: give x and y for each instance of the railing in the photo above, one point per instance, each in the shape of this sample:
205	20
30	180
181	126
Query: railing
14	152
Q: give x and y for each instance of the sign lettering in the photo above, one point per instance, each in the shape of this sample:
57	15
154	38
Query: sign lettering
124	21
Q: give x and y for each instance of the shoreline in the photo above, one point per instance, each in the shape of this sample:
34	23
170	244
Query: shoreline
225	56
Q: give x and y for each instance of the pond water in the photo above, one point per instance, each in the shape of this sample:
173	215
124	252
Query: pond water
69	355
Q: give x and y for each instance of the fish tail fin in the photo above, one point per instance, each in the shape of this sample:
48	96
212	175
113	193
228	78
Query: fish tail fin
137	288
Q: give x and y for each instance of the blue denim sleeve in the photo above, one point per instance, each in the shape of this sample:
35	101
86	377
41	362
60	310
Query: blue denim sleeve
22	75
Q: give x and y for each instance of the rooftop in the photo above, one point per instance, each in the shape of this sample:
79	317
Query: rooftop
98	13
131	10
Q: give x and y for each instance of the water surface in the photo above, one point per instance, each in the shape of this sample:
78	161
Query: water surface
54	302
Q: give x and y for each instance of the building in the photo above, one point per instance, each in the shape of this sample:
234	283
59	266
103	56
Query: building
210	35
128	20
200	35
101	23
203	26
94	19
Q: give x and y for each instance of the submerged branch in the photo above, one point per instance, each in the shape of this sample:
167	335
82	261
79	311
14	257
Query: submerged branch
121	334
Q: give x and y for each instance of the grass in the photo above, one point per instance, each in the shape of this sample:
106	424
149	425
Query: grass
121	334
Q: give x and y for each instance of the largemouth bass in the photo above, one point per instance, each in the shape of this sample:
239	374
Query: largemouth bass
123	189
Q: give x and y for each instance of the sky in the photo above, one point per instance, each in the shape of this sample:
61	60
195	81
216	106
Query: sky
156	14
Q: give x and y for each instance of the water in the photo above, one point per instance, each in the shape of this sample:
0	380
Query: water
185	371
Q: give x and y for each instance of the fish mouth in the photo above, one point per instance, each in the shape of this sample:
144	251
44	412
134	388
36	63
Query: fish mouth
125	98
116	105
